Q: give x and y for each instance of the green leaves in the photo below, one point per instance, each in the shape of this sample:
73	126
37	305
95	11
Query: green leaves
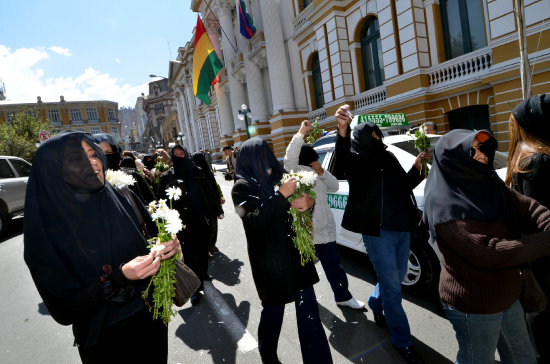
315	133
19	137
422	143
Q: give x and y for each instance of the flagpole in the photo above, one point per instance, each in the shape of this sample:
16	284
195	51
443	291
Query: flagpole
223	31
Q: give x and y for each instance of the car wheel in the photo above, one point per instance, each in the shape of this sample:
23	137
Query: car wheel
422	269
3	223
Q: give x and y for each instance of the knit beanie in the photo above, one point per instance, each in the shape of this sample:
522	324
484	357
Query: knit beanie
533	115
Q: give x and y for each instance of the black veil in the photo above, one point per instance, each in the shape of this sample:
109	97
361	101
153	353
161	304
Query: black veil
254	161
73	225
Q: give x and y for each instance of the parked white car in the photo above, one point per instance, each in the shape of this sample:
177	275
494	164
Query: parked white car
424	265
14	174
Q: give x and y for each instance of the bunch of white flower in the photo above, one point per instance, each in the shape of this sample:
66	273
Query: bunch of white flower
119	178
168	224
303	178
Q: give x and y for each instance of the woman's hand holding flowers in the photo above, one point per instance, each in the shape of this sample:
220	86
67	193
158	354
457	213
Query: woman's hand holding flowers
303	203
141	267
419	158
305	127
288	187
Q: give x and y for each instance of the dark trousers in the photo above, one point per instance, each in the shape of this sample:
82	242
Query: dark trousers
313	341
137	339
213	231
336	276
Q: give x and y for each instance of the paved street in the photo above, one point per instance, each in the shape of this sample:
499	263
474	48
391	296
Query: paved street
223	327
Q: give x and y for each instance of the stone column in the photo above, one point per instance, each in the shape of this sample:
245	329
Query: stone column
185	113
191	104
236	89
224	110
279	72
254	84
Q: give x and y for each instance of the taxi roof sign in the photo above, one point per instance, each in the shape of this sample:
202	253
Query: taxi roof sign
381	120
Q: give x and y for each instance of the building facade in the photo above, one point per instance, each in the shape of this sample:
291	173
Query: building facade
92	117
454	62
158	104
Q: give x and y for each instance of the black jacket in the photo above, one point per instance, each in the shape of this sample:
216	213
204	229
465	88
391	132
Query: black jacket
274	260
363	212
534	184
210	198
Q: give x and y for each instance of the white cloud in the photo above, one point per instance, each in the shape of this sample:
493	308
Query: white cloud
60	50
117	60
25	80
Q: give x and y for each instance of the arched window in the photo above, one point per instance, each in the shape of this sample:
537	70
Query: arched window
371	54
463	26
317	82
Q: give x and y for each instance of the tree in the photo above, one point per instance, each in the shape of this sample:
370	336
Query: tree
19	136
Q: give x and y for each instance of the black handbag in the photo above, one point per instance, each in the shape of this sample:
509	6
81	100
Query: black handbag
187	283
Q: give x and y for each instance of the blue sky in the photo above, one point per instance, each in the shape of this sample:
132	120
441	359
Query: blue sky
89	50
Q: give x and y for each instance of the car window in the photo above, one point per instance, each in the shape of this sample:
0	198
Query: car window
408	146
5	170
322	154
22	168
501	160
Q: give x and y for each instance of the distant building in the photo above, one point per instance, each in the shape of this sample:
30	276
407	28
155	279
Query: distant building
125	115
158	105
2	91
169	129
92	117
139	122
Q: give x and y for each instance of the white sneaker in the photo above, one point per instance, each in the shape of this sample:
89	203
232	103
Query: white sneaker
353	303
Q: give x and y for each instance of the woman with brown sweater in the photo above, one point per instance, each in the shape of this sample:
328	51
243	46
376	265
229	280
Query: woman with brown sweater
477	222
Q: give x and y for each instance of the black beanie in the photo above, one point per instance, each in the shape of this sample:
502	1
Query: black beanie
307	155
533	115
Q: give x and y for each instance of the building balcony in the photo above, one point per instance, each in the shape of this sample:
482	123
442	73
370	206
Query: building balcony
303	19
319	113
461	69
256	50
369	99
77	122
237	68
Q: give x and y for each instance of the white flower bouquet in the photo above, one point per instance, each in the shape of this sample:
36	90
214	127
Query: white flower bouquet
422	144
164	281
302	222
119	178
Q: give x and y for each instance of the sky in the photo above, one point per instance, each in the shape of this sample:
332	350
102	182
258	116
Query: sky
89	50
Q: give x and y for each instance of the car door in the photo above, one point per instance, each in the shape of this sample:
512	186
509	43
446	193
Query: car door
7	184
337	202
22	171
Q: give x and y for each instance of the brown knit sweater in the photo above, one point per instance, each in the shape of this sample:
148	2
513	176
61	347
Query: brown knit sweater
480	261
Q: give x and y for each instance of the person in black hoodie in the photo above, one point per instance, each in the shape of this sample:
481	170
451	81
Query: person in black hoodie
382	208
278	275
86	254
198	205
529	173
113	154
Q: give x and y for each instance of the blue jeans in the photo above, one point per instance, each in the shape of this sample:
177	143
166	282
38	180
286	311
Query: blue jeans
480	335
389	253
336	276
313	341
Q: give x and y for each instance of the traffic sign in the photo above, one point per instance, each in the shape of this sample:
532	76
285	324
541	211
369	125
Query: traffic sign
43	136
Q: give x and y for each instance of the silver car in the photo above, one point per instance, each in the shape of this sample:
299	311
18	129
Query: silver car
14	173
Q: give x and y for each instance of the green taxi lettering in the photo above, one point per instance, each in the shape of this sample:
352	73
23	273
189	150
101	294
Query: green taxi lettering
336	201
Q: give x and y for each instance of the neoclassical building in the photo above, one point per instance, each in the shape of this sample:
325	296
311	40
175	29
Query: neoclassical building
92	117
454	62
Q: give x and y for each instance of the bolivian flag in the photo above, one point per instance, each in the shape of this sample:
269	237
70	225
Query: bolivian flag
206	64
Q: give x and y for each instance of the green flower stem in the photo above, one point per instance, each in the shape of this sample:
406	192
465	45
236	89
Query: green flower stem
302	224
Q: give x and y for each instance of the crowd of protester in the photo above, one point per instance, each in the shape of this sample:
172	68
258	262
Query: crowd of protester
85	239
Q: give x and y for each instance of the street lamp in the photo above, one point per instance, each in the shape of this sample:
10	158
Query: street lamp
180	137
152	76
244	114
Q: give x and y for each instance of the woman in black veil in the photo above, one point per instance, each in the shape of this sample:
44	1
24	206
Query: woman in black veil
87	256
278	275
200	161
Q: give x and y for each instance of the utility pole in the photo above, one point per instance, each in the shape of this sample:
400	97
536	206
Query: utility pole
525	73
